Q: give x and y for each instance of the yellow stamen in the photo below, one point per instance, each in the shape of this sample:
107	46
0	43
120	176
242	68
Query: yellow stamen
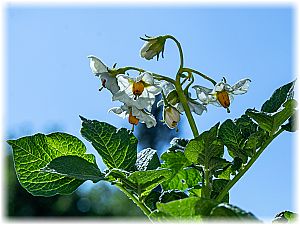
223	99
138	88
132	119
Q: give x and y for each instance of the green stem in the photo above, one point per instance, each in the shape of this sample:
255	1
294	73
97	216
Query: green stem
155	75
201	74
183	100
179	48
250	163
142	206
180	92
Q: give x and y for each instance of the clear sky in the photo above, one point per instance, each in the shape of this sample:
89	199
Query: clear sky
49	81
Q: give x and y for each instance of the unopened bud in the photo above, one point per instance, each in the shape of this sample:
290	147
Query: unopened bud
171	117
153	47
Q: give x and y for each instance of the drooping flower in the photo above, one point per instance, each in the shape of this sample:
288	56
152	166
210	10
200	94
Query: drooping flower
171	116
172	98
223	93
153	47
108	80
139	92
134	115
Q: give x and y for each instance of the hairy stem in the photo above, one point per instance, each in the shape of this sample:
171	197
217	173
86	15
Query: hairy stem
231	183
141	205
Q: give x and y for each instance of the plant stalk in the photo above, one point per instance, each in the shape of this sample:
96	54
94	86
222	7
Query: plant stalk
180	92
141	205
231	183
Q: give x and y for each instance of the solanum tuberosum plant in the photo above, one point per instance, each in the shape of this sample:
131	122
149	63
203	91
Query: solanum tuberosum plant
191	179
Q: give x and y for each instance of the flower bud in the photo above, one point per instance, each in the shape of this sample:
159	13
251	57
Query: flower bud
152	47
171	117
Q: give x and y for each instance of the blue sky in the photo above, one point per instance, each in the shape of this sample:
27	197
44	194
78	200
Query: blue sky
49	81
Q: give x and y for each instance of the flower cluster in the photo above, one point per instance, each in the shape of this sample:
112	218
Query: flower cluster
137	94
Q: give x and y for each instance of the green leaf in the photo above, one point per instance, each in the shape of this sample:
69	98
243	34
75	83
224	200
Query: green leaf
152	198
172	195
147	180
271	123
187	208
74	167
233	139
292	125
217	186
174	160
204	148
255	141
32	153
227	211
182	177
278	98
284	114
246	126
147	159
117	147
285	216
264	120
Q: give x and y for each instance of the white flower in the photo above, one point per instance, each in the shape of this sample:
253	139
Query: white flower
152	47
139	92
172	98
222	94
134	115
100	69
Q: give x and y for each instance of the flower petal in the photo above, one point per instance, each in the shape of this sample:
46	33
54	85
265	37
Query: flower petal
97	65
148	78
110	82
119	111
204	94
144	117
153	89
197	107
167	87
124	81
241	87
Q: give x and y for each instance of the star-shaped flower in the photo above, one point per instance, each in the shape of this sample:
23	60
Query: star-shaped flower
223	93
139	92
